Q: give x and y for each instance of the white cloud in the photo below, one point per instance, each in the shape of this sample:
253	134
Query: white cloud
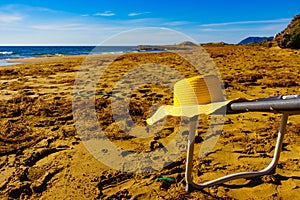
141	22
283	20
225	29
62	27
264	27
42	25
147	36
133	14
10	18
28	10
177	23
105	14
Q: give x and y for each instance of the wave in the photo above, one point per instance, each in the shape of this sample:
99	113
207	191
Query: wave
6	52
41	51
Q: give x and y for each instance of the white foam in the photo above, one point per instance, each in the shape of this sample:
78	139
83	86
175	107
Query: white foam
5	63
6	52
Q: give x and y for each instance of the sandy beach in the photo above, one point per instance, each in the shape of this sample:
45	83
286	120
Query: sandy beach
42	155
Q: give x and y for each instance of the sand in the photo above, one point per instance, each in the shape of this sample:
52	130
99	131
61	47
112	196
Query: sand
43	155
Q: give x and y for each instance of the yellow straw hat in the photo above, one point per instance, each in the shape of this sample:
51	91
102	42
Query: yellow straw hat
193	96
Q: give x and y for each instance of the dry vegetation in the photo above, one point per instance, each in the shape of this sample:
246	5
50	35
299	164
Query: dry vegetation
41	154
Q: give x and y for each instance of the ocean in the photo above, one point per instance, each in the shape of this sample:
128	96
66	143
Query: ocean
14	52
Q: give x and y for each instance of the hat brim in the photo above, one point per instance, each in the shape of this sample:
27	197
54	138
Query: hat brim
187	111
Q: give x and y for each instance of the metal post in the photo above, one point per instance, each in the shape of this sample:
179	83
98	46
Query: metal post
190	152
223	179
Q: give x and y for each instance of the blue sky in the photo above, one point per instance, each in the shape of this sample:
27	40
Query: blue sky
89	22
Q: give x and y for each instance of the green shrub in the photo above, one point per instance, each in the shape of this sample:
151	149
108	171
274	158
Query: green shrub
294	41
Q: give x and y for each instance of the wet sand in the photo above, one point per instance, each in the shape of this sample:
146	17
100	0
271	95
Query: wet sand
42	155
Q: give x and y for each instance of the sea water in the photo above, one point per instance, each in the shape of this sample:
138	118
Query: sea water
14	52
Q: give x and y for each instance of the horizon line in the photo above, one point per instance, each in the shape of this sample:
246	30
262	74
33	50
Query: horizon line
18	45
88	45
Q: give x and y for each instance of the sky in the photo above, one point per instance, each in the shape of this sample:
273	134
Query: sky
90	22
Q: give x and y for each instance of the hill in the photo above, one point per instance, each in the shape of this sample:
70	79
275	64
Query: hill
249	40
290	36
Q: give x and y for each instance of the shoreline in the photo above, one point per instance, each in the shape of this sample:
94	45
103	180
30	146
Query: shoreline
7	62
56	58
20	52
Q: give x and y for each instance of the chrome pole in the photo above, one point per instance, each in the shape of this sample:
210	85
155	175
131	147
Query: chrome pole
223	179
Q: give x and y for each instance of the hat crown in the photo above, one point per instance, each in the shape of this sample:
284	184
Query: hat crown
198	90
